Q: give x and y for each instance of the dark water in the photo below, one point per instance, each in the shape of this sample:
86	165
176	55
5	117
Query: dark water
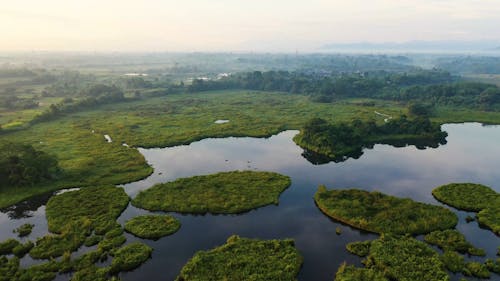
472	154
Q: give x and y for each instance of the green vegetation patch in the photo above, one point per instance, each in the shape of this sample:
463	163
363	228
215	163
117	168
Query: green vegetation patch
476	269
361	249
100	204
130	257
493	265
380	213
245	259
221	193
352	273
22	249
452	240
473	197
490	217
401	258
7	246
71	238
405	259
152	226
465	196
453	261
24	230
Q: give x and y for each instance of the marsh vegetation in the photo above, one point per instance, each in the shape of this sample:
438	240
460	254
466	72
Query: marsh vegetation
51	126
473	197
152	226
397	258
245	259
221	193
380	213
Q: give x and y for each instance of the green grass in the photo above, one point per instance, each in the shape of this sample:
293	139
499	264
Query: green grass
71	238
361	249
87	160
84	157
405	259
476	269
7	246
401	258
473	197
22	249
453	261
465	196
101	205
152	226
75	215
352	273
245	259
130	257
493	265
24	230
452	240
221	193
380	213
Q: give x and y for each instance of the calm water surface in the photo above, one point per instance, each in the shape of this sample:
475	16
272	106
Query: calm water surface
471	155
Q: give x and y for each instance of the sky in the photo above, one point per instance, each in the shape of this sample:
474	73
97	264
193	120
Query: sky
237	25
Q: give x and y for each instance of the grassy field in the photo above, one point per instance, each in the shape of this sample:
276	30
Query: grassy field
77	139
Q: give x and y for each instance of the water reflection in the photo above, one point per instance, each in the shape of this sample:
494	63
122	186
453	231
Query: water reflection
471	155
421	144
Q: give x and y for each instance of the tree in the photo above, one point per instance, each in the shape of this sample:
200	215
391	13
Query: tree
21	164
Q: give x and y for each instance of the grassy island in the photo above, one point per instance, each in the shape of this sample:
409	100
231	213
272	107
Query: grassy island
130	257
24	230
337	142
245	259
380	213
100	204
452	240
473	197
401	258
221	193
152	226
352	273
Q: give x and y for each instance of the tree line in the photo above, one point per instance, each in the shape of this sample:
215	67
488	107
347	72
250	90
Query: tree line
21	165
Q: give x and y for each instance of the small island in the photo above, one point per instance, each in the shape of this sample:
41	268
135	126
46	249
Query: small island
101	205
324	142
452	240
245	259
473	197
380	213
397	258
221	193
152	226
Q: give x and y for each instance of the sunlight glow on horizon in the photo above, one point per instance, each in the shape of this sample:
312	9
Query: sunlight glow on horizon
235	25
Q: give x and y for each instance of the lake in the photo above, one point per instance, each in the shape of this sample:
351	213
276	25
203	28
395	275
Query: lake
472	154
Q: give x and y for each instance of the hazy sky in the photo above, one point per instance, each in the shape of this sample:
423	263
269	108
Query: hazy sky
232	25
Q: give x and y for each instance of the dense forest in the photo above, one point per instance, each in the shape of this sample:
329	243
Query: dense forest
434	86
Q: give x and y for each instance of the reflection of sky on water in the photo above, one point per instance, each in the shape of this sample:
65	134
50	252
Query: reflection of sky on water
471	155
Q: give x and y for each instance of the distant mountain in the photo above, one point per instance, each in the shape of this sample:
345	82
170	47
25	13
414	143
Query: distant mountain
416	46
